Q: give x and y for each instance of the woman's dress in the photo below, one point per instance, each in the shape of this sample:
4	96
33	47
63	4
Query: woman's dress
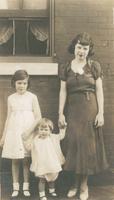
83	145
21	119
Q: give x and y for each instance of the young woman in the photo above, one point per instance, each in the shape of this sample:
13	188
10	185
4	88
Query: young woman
81	93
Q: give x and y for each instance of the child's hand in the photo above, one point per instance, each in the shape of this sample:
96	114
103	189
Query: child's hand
61	121
63	126
62	131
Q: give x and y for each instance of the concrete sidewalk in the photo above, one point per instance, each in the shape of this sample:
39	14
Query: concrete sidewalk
101	187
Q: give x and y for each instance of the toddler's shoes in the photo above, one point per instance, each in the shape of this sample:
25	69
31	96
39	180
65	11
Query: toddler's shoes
72	192
84	194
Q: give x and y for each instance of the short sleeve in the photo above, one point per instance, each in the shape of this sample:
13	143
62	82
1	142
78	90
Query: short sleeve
96	70
63	72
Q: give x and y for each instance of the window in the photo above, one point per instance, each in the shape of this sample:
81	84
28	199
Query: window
26	28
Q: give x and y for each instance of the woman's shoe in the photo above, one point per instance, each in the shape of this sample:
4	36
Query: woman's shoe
72	192
84	194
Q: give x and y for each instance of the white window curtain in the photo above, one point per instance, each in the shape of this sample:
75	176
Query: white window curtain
41	32
6	31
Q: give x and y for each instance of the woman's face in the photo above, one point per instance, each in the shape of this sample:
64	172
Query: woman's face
21	86
81	51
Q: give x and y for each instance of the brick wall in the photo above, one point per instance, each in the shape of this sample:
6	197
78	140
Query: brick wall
72	17
96	18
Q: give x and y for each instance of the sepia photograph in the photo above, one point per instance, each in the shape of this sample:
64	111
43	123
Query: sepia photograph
56	100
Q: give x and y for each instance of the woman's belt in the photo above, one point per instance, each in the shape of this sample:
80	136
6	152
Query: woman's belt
87	93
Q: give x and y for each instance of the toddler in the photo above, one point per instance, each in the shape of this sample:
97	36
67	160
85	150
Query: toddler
47	157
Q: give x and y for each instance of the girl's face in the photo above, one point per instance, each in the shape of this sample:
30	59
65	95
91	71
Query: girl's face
21	86
44	132
81	51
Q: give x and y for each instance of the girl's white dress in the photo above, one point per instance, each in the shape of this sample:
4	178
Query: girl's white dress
21	118
47	157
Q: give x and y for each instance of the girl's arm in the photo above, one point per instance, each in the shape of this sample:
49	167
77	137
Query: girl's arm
37	115
6	124
36	109
62	101
99	121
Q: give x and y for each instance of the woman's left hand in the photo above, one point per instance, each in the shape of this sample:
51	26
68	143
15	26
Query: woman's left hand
99	120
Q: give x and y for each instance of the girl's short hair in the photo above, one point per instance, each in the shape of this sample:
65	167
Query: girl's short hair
20	75
45	122
83	39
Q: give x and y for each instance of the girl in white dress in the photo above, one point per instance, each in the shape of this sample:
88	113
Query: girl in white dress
23	113
47	157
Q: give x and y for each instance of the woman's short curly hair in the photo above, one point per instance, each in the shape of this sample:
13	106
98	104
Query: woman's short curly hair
20	75
83	39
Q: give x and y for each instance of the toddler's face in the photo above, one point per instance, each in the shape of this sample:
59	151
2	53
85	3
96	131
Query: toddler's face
44	132
21	86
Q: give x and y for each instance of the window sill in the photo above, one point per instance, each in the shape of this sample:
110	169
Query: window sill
33	59
33	65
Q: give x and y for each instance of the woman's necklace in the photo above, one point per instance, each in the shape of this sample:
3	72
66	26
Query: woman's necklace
78	67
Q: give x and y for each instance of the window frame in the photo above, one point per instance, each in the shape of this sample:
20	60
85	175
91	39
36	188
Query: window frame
16	14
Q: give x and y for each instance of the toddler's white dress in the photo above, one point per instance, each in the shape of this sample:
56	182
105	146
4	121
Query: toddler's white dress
47	157
21	118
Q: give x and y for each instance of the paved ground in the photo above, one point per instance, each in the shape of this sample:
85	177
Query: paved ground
101	187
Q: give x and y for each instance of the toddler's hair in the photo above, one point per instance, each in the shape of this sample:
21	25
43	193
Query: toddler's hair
45	122
20	75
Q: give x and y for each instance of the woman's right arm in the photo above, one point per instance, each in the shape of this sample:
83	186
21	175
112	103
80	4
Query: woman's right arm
62	101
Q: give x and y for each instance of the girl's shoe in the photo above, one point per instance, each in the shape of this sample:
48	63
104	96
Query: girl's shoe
84	194
72	192
15	190
15	193
26	191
